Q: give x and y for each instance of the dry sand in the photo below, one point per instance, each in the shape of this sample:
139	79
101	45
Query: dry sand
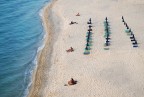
117	72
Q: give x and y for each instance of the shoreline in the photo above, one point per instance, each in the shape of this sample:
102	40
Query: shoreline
116	72
44	54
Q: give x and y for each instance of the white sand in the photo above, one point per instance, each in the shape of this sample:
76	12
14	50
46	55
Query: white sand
117	72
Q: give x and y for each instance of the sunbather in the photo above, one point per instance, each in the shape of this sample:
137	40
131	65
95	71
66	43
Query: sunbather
72	82
73	23
70	50
78	14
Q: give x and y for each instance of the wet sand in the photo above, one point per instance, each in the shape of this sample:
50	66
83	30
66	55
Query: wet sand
39	76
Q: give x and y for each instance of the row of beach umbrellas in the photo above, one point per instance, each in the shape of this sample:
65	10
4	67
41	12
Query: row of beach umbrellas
107	32
88	38
130	33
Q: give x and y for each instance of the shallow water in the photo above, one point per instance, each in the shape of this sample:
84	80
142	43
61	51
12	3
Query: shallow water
21	35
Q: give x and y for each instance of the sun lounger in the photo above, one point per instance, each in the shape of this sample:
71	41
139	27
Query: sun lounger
86	52
135	42
132	37
106	48
135	46
89	23
107	44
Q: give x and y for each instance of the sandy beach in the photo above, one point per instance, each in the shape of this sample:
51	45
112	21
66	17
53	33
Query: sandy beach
44	56
116	72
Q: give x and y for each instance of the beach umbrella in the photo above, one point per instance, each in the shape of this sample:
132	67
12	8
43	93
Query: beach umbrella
106	35
87	48
89	35
88	44
106	23
89	38
107	30
122	18
106	19
127	26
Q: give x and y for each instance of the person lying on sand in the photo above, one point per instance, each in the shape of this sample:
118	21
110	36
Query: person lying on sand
72	82
78	14
70	50
73	23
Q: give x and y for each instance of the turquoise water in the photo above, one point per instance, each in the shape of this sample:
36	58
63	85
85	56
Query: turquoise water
21	35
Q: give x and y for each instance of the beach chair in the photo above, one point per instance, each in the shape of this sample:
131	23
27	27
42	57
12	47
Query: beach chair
135	42
107	44
106	48
86	52
132	37
89	22
135	46
89	29
107	41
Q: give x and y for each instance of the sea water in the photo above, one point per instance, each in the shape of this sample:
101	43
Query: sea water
21	34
